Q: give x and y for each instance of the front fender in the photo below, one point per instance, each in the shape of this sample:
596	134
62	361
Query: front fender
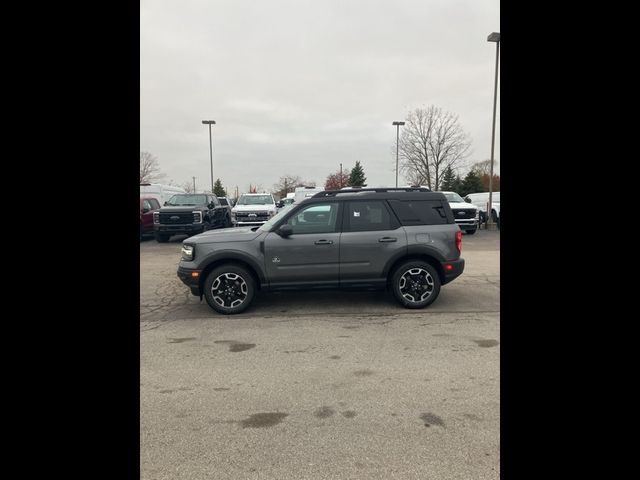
234	255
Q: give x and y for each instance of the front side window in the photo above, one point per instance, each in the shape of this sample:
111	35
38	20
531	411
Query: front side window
154	204
315	218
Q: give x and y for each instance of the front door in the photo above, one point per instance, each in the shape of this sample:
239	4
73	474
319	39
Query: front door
310	255
147	215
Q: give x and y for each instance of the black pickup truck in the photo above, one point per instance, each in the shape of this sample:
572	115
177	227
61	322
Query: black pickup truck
189	214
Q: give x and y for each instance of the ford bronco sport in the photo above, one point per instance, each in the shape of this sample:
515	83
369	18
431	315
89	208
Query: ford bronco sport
405	239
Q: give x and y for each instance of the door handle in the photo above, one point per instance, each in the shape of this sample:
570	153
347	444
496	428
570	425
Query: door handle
387	239
323	242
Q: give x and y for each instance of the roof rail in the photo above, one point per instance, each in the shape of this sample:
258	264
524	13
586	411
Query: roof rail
333	193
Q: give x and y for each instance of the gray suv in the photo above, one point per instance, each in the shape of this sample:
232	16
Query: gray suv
405	239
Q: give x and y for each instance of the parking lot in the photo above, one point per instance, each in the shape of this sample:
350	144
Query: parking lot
321	384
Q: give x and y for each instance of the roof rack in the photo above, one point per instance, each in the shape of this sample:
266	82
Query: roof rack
333	193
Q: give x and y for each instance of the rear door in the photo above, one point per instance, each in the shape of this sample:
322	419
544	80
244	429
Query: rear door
371	237
218	211
310	256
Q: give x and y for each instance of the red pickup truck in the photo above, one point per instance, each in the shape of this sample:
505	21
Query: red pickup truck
148	205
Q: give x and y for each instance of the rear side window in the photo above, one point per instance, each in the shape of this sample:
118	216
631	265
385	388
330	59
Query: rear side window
369	216
420	212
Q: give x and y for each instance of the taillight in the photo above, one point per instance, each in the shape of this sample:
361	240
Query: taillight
459	240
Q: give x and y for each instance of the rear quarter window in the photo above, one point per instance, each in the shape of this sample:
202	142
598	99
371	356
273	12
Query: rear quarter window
420	212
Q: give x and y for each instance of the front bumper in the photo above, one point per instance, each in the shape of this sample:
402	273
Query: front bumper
176	229
469	223
245	224
186	275
457	267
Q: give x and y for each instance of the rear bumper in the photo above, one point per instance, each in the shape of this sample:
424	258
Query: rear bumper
454	271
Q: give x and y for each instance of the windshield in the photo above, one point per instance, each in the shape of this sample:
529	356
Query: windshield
187	200
266	226
255	200
223	201
453	197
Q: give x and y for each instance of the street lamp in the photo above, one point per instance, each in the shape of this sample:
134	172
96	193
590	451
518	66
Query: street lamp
494	37
210	122
397	124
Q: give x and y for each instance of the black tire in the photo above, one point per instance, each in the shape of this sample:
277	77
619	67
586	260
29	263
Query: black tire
162	238
233	279
427	280
228	223
470	232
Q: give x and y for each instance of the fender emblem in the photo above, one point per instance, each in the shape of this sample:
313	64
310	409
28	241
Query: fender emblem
275	260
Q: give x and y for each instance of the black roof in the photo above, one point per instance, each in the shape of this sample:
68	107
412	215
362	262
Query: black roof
400	193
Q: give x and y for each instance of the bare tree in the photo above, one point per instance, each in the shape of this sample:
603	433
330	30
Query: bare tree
188	187
288	183
431	141
484	167
149	168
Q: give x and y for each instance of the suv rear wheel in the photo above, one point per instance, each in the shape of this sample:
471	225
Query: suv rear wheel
415	284
229	289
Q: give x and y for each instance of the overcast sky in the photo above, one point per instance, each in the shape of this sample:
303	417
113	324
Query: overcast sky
299	86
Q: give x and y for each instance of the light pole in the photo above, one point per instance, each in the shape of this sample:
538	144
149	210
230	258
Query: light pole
210	122
341	177
494	37
194	184
397	124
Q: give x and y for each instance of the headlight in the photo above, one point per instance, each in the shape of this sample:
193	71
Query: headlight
187	252
156	217
272	213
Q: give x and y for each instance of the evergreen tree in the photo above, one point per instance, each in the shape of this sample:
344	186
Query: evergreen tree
471	184
218	191
448	180
357	178
456	185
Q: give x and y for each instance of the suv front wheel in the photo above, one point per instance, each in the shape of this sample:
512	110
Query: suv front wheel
415	284
229	289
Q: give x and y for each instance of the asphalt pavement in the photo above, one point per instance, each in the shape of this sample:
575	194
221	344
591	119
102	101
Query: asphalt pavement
321	385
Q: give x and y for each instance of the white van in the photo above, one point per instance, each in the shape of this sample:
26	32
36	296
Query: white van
160	192
305	192
481	200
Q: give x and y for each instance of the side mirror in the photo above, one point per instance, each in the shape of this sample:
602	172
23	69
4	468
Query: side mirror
166	203
145	210
280	204
285	230
211	205
468	200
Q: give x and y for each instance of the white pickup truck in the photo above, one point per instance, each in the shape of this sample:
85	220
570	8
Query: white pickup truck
465	215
